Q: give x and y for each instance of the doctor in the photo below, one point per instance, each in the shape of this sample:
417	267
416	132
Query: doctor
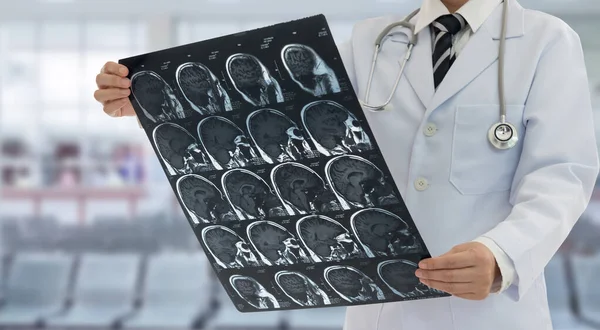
493	211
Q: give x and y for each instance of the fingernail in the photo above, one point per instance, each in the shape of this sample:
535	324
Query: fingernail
125	92
423	265
419	273
125	82
123	71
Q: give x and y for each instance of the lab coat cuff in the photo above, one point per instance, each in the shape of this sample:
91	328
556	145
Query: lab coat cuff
507	269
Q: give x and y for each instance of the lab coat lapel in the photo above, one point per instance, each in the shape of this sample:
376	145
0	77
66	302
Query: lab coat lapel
480	52
419	70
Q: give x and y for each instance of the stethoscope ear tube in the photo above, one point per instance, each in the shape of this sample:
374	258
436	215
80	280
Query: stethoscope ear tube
501	135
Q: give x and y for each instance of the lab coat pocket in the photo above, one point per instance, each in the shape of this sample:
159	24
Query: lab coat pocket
477	167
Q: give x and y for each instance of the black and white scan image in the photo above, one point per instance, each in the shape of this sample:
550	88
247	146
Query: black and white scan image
399	276
381	233
309	70
276	168
358	183
333	129
275	244
156	97
253	292
277	138
203	201
250	196
202	89
327	240
353	285
225	144
227	248
253	80
301	190
179	150
301	289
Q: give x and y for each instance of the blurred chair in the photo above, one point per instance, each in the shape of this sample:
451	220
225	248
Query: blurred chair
586	269
37	287
559	296
11	234
176	292
228	317
105	291
316	319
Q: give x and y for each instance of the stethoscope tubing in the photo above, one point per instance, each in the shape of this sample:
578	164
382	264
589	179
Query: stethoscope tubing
493	136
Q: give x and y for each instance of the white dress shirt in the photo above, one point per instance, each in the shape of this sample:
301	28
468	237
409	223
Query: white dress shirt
475	12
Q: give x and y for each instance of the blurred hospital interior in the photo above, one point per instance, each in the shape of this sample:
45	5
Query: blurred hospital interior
91	233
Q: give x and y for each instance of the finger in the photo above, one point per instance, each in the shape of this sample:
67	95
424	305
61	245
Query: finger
115	69
462	275
105	80
113	108
127	110
451	261
452	288
110	94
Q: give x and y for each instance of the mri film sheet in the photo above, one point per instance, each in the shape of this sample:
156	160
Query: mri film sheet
277	171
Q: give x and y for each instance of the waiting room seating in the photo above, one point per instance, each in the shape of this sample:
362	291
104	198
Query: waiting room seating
176	292
559	296
104	291
587	283
36	287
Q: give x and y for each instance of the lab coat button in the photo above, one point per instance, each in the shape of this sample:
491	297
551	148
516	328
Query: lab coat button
430	129
421	184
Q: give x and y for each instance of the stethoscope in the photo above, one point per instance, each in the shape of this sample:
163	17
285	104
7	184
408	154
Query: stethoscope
502	135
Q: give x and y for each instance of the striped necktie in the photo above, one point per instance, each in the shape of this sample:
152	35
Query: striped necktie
444	28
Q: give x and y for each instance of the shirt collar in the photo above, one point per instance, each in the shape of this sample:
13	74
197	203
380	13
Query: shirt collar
475	12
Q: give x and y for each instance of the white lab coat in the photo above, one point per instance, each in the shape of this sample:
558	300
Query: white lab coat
526	199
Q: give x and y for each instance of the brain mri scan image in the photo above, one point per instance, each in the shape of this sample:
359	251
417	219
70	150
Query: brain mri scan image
309	70
301	190
178	149
301	289
333	129
253	81
275	244
250	196
327	240
358	183
156	98
276	136
383	234
352	285
253	292
203	200
227	248
226	145
202	89
399	276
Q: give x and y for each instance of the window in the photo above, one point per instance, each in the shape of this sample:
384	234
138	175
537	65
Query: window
48	80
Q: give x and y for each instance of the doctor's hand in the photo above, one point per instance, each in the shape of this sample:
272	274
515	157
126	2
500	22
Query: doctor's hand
467	271
113	90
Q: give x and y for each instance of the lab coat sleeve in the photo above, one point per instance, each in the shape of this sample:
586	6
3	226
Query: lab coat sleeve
557	171
507	269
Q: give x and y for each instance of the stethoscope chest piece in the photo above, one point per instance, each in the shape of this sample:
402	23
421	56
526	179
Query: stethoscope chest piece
503	135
